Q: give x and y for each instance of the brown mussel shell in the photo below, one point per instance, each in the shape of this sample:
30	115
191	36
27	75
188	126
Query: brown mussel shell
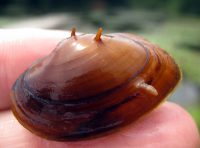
92	84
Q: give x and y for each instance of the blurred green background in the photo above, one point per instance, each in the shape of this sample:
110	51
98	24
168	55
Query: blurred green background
172	24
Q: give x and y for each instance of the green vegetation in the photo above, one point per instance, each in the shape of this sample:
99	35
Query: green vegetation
6	20
195	112
171	7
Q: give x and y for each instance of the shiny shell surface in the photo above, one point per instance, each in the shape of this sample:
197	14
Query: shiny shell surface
89	87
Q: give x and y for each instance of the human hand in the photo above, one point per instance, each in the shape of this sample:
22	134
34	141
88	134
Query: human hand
168	126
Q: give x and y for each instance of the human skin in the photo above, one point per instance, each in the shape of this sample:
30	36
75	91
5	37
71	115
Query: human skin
168	126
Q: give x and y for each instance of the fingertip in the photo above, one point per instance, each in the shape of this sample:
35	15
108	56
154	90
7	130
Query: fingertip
169	125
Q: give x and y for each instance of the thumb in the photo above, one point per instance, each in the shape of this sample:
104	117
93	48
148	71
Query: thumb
18	49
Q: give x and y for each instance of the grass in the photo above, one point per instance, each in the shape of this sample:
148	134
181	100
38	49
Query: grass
6	20
195	113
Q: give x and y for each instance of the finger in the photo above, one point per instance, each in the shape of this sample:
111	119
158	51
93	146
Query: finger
18	49
168	126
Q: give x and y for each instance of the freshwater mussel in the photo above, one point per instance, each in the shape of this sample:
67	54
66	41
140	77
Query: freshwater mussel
92	84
